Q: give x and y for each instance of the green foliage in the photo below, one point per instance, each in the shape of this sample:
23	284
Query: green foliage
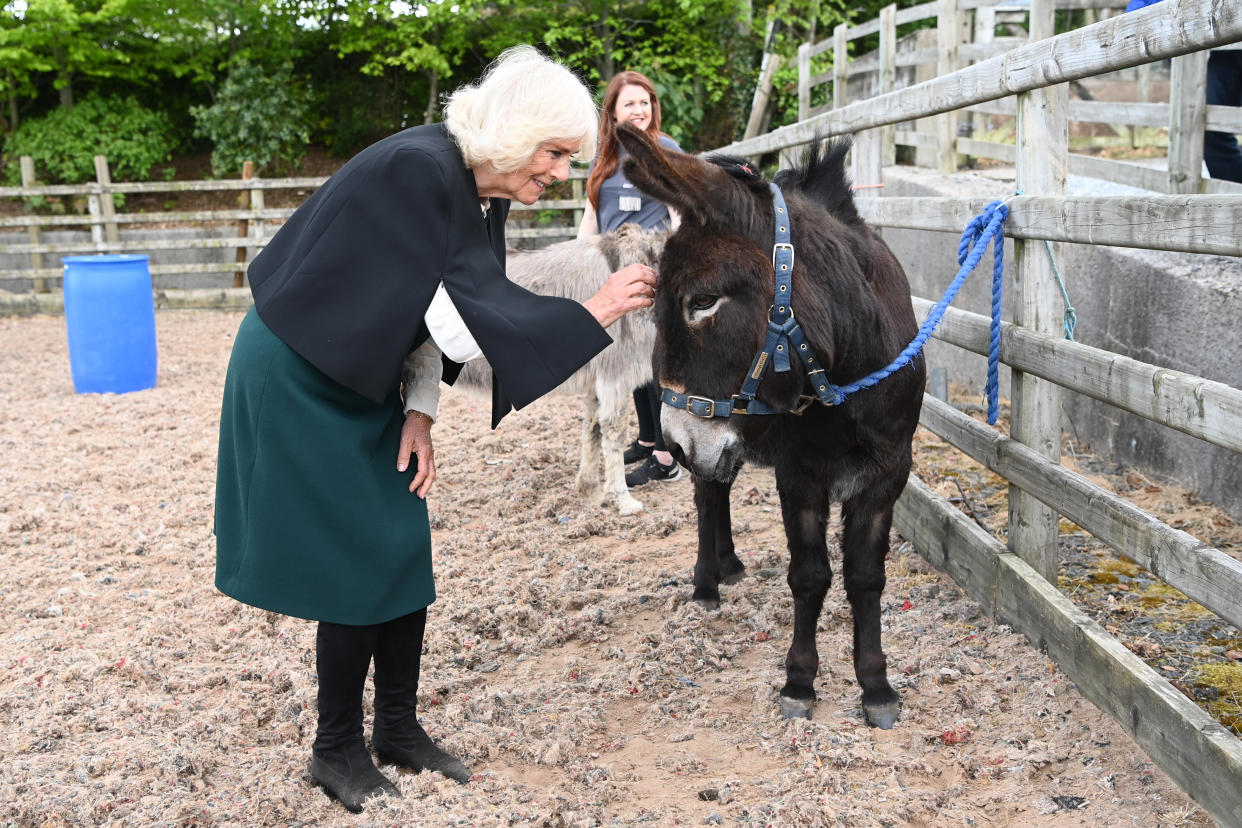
64	142
366	69
258	116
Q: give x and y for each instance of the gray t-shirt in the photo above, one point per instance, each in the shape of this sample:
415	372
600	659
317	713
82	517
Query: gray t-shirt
621	202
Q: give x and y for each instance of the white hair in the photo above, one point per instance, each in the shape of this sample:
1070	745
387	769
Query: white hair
522	100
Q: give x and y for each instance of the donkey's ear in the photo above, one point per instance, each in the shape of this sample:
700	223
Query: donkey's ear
678	179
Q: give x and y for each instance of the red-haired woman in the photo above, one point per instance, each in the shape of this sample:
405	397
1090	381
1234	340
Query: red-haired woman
613	201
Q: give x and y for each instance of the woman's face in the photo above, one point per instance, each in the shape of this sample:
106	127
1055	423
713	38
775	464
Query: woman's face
549	164
633	105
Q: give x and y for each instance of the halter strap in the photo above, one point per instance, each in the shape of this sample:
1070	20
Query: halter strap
784	335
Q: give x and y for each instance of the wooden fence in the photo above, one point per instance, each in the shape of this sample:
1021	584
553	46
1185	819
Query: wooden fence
254	222
1017	582
965	33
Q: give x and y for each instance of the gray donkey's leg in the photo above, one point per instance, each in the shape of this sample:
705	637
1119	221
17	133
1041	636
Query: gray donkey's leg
588	481
613	425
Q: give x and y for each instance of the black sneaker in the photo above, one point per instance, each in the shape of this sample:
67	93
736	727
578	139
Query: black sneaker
653	469
637	451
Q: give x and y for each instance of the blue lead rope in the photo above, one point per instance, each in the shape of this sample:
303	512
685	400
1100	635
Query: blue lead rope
989	226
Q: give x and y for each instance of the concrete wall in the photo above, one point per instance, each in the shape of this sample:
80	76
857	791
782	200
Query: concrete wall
1178	311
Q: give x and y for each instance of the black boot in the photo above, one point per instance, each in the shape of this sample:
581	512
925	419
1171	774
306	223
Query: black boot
340	761
398	737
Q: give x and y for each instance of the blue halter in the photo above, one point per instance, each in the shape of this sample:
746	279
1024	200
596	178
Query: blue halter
784	334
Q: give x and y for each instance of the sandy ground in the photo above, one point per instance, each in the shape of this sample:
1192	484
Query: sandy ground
565	663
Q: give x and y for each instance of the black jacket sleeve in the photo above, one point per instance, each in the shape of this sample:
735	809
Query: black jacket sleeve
347	280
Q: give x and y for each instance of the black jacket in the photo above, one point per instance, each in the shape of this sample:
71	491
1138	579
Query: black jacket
347	280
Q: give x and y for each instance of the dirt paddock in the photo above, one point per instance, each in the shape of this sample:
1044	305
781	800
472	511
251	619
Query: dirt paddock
564	664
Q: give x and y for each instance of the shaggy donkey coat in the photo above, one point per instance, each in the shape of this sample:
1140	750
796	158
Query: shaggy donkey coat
852	301
577	269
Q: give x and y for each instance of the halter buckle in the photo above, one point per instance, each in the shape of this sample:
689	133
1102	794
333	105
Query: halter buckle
776	249
706	406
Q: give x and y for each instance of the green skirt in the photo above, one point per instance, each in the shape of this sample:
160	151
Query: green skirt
312	517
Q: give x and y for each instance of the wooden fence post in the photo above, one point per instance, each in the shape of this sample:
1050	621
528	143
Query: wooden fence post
888	79
804	81
948	29
578	188
840	66
243	226
763	92
258	227
866	160
985	32
107	209
33	232
1187	112
1035	410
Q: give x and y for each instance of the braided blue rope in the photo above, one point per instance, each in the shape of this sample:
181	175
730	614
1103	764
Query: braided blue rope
992	389
988	226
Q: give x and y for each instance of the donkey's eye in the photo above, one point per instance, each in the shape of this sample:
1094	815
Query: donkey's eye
702	301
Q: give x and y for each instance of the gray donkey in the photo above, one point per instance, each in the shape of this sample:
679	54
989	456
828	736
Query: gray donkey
577	269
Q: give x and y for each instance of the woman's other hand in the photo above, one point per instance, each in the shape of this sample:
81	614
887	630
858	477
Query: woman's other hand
416	438
630	288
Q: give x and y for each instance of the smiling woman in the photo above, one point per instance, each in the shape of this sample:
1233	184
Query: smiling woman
548	165
379	286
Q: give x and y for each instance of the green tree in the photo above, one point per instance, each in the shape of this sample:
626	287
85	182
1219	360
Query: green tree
429	40
258	116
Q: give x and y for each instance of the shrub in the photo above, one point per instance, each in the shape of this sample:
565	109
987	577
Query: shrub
65	141
257	117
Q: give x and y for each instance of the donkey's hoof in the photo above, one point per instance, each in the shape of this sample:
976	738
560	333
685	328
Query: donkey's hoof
627	506
883	716
796	708
709	601
732	571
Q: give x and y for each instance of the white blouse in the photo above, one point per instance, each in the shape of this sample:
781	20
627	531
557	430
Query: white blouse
422	369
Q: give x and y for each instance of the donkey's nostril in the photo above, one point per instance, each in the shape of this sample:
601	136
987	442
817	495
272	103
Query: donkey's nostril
678	455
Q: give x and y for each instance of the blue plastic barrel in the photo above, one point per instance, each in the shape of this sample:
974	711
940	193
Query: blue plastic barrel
110	316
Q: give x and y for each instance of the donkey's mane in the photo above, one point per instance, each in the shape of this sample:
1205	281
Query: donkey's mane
822	178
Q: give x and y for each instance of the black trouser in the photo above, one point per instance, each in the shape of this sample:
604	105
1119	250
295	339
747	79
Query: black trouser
1224	88
647	407
343	654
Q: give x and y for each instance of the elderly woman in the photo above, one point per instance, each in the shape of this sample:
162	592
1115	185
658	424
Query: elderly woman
375	290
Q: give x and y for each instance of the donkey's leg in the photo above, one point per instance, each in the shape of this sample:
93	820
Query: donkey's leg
588	482
613	413
867	519
711	500
805	509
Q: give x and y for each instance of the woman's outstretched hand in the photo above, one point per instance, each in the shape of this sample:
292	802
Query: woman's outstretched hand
416	439
630	288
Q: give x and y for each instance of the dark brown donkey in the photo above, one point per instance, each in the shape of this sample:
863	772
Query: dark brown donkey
736	297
